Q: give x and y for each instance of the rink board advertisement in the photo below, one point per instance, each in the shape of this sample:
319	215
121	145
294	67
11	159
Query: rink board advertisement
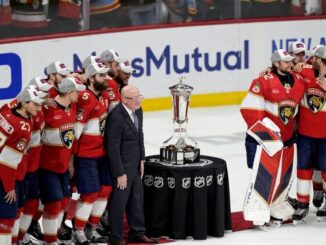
218	60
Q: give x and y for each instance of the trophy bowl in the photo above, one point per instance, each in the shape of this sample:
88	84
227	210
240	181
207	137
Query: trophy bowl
180	148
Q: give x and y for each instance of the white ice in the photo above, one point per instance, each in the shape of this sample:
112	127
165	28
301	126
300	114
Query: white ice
220	132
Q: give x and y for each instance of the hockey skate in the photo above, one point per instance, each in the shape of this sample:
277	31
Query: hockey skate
80	237
93	235
300	214
35	231
293	202
321	214
318	199
64	234
275	222
262	226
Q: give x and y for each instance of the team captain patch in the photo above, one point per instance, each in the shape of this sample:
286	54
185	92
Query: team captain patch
67	135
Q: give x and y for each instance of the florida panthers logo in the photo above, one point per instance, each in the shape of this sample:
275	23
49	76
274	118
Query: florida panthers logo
315	99
287	110
67	135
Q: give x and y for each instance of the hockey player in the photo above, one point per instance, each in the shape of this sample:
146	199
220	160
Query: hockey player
15	134
56	155
91	170
56	71
275	96
298	50
110	58
312	136
31	181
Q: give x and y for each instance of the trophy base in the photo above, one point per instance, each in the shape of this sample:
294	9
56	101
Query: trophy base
176	156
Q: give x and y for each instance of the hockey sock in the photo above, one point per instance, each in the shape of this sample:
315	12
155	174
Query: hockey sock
50	220
303	185
83	209
100	204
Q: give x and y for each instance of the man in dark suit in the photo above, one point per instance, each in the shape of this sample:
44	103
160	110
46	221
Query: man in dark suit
125	147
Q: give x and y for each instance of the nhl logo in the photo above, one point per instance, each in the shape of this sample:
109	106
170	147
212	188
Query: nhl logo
209	180
158	182
67	135
149	180
287	110
316	99
186	182
199	182
171	182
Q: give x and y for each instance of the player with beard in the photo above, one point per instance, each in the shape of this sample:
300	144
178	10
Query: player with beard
15	135
311	133
304	68
91	171
275	96
110	59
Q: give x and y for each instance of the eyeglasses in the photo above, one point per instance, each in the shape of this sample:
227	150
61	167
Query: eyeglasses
137	97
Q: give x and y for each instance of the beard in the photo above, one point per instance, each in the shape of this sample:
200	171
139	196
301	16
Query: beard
100	86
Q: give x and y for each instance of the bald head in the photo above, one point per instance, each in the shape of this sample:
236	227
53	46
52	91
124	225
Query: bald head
131	97
129	91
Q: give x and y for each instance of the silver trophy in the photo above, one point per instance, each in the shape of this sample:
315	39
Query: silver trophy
180	148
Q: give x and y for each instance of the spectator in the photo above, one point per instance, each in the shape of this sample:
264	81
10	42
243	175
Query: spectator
142	12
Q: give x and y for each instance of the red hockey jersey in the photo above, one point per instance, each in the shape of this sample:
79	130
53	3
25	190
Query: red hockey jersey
312	113
53	92
58	137
34	152
9	105
267	97
114	93
92	111
15	133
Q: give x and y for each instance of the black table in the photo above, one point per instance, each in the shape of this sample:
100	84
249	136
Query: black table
190	200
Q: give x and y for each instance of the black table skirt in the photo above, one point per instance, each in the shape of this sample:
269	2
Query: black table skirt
186	201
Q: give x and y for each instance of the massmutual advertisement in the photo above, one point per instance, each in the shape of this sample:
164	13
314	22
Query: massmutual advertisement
218	60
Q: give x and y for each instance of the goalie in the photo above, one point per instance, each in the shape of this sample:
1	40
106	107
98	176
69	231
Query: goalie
269	110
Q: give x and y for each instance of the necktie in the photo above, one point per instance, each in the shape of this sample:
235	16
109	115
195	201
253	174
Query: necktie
135	119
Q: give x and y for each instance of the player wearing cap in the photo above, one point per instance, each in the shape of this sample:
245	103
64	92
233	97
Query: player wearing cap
56	71
31	180
275	96
304	68
91	170
298	51
56	155
311	134
110	58
15	134
124	73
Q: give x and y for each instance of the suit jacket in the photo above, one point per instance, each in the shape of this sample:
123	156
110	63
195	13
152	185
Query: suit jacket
124	143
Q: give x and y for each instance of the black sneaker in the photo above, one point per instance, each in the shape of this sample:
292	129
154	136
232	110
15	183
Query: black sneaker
35	231
293	202
318	199
65	234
